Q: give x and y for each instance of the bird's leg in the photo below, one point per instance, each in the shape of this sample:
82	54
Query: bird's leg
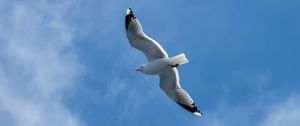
176	65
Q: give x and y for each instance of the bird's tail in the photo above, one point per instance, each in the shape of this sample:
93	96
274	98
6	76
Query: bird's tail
178	60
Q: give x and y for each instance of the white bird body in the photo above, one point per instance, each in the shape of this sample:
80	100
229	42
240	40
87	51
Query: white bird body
157	66
159	63
154	67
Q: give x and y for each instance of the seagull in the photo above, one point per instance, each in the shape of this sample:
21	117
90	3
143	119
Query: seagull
159	63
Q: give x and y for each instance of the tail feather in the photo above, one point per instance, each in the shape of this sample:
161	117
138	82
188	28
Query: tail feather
178	59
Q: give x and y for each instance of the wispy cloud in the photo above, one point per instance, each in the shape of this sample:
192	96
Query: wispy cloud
263	107
127	98
285	113
37	64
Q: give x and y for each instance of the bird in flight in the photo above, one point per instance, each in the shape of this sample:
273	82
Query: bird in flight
159	63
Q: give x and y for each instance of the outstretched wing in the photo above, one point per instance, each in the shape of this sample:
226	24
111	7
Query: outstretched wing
141	41
169	83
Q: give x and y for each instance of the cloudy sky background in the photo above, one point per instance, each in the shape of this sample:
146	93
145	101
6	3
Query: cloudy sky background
68	62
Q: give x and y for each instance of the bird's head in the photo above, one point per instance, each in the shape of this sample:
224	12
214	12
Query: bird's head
140	68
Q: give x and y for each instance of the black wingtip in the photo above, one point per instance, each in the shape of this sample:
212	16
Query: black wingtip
129	15
198	113
129	11
193	108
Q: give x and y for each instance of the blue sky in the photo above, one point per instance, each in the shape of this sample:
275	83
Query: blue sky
68	62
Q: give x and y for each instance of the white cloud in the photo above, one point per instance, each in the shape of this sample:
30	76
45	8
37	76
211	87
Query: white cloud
284	114
37	64
264	108
256	111
114	90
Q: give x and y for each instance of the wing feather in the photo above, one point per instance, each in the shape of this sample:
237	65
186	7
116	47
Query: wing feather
169	83
141	41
